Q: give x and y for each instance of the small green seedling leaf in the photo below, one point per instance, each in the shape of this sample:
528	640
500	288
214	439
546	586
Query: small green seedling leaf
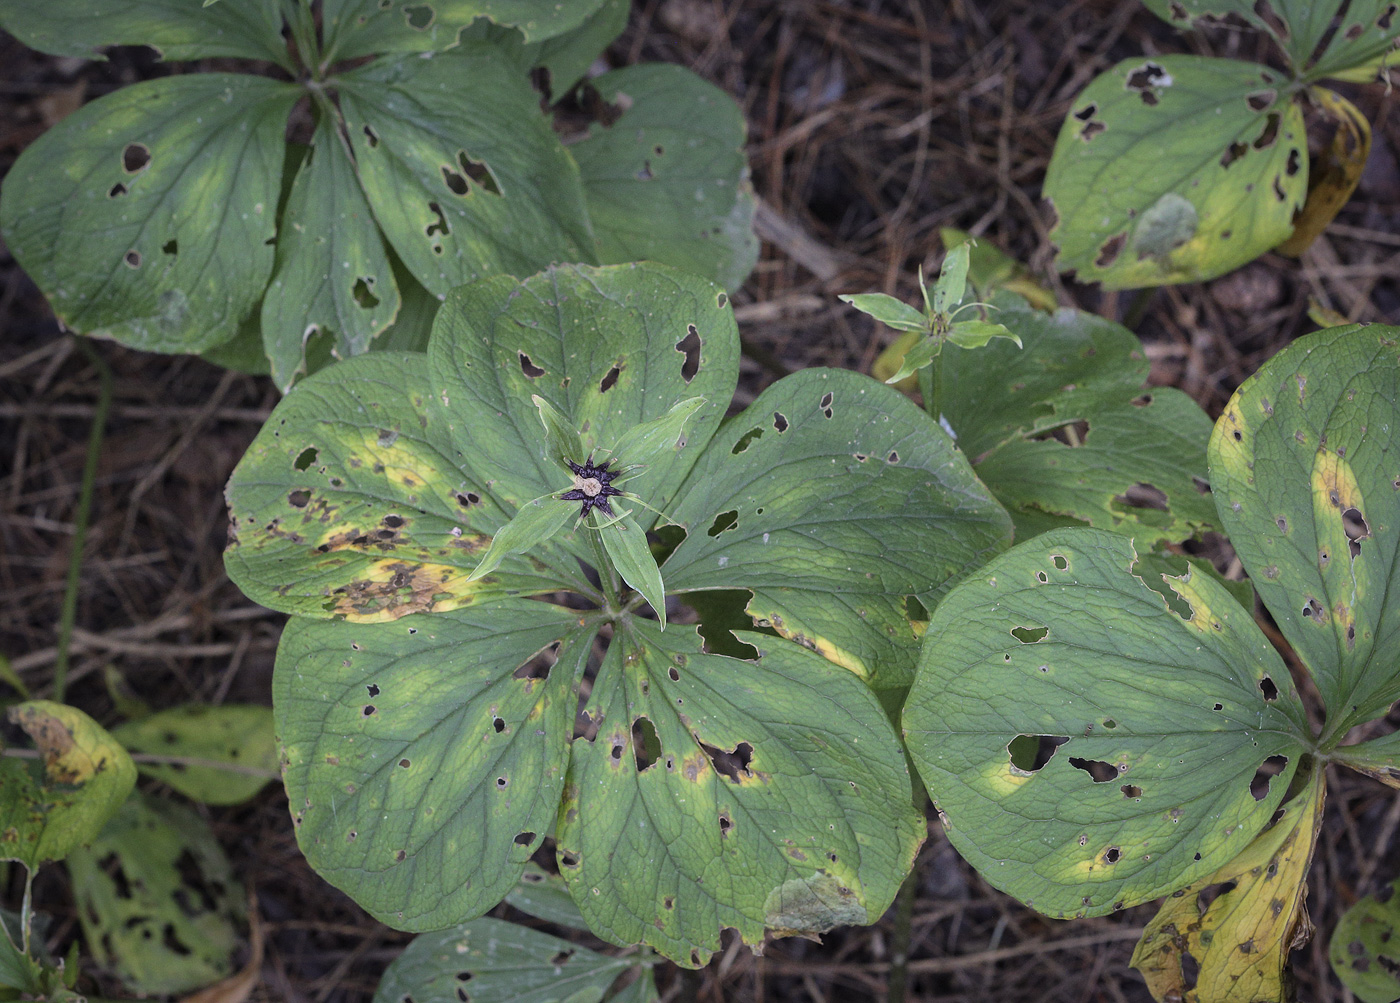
491	961
1365	948
976	333
1379	758
231	750
52	805
919	355
626	545
951	286
641	444
1302	463
891	312
1234	947
990	269
158	899
1176	169
664	174
1056	689
561	440
545	896
536	522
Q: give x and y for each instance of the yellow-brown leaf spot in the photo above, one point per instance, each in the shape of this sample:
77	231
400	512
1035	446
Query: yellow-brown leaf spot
388	589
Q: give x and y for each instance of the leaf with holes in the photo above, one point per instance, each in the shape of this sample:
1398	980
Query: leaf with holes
1065	430
1365	948
664	174
231	750
158	899
147	216
357	28
1380	758
53	804
376	483
1304	466
546	896
1176	169
490	961
1059	691
1227	937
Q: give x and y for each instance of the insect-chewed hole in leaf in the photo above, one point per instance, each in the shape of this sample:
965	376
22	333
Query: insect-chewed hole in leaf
1131	791
306	457
1356	529
299	499
538	665
1260	100
1294	162
1270	768
561	958
825	404
502	783
405	763
1267	687
1205	897
1112	855
419	17
192	879
1232	153
439	224
386	438
689	346
725	823
1029	753
723	522
371	137
135	157
609	379
524	838
1143	496
117	190
646	745
893	457
567	859
1313	610
1269	135
467	499
498	725
372	689
745	440
456	184
730	764
1110	249
132	259
1146	79
1109	723
528	367
1087	112
478	172
1279	193
1030	635
1098	770
172	942
362	294
914	609
780	421
368	710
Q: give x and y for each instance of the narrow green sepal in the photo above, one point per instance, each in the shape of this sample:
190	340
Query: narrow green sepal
917	358
626	544
534	523
640	444
976	333
561	439
952	280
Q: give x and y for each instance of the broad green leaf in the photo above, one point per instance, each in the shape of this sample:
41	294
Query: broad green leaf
1238	942
1139	468
534	523
667	179
1365	948
568	56
352	502
990	269
951	286
464	183
1303	464
643	443
976	333
561	439
545	896
1176	169
1380	758
176	29
238	736
609	347
891	312
425	757
158	899
723	793
626	544
333	275
1161	724
51	805
355	28
916	357
411	328
17	969
147	215
1366	30
491	961
833	498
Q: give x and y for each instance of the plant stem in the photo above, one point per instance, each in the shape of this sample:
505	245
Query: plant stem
69	613
900	936
607	574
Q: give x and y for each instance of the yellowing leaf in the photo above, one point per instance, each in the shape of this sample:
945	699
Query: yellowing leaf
1337	173
1233	948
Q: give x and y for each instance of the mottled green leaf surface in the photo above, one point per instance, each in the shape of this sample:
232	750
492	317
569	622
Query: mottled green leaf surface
333	275
463	185
239	736
1162	723
833	498
667	180
546	896
177	29
723	793
157	898
1176	169
147	215
1306	464
1365	949
364	27
490	961
51	805
424	760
